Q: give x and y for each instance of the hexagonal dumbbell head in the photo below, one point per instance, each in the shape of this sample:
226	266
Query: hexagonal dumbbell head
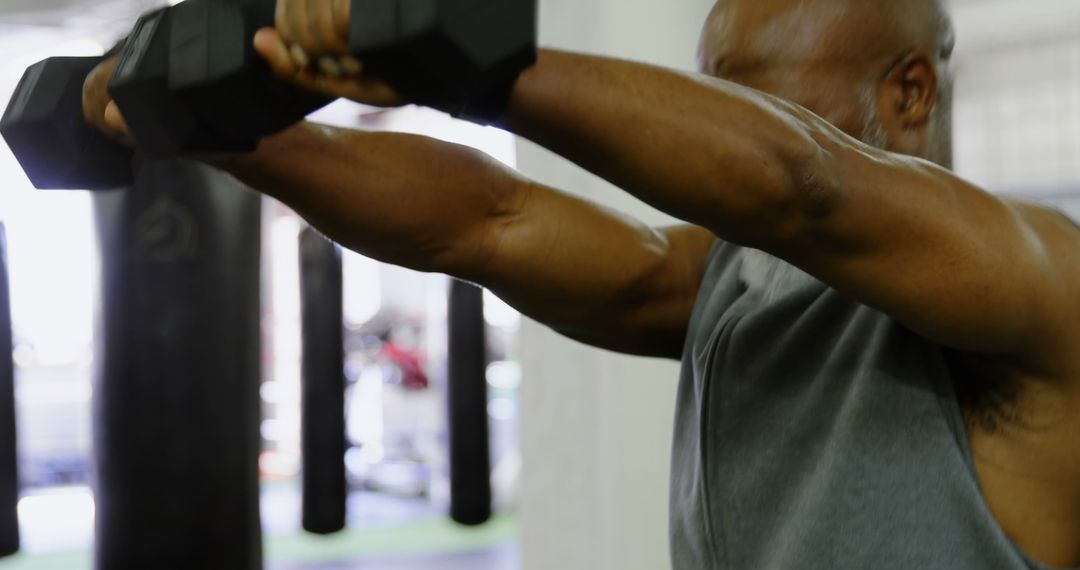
444	51
162	122
214	69
45	129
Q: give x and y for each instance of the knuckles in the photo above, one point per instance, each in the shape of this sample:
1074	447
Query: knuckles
318	26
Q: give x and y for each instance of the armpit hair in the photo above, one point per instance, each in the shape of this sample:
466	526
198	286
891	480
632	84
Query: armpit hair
989	404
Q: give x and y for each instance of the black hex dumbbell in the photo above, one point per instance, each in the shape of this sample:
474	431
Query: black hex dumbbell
45	128
455	53
140	87
189	81
214	67
220	96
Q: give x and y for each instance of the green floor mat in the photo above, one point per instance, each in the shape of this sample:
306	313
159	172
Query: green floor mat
427	537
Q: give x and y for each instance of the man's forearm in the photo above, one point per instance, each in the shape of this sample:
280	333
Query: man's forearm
402	199
709	152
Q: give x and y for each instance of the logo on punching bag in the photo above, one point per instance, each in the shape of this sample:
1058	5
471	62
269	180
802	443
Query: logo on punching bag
166	231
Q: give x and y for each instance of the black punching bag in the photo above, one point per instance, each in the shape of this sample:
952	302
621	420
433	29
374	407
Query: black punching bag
176	405
9	471
470	456
322	400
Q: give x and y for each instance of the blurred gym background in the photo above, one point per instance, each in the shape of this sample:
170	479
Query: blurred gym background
579	437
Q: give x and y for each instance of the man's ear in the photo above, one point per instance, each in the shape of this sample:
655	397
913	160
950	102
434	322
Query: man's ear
911	90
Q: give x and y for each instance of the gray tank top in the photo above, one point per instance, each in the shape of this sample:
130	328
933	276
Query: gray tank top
813	432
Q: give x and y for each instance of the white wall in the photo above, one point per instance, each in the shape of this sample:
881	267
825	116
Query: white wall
1017	116
596	427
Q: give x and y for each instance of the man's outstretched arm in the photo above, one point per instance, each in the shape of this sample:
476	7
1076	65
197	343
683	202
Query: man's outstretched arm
962	267
896	233
588	272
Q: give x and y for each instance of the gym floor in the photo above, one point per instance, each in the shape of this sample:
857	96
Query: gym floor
384	533
497	558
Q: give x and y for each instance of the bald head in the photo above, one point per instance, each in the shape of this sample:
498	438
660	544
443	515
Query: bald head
877	69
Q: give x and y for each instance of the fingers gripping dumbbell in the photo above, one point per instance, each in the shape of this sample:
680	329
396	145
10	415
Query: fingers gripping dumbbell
45	128
190	80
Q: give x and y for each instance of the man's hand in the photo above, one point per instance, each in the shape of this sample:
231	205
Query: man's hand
319	27
310	48
99	109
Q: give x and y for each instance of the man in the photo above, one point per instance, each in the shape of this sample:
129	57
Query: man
895	393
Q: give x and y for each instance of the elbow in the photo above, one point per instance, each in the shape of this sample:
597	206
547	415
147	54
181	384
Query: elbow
485	229
799	192
812	202
815	187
